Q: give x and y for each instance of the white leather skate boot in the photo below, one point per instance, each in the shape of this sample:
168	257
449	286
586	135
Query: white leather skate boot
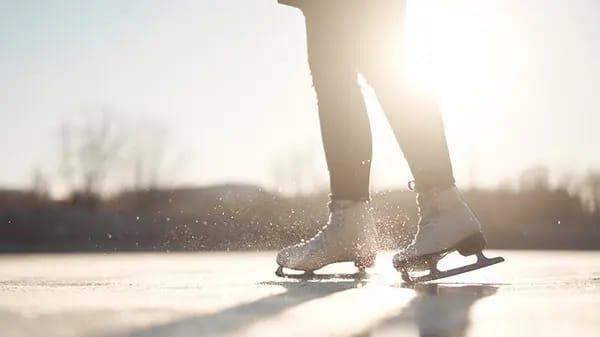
445	224
348	236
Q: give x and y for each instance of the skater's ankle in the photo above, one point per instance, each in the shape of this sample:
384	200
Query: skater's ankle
337	204
344	199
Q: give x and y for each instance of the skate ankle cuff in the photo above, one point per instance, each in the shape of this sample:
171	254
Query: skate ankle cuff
342	204
335	198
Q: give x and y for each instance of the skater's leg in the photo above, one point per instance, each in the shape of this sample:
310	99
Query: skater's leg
446	223
418	126
350	233
413	113
344	122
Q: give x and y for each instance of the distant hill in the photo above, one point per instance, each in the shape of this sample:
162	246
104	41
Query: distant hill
234	217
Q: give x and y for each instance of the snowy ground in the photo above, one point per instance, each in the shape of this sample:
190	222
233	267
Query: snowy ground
237	294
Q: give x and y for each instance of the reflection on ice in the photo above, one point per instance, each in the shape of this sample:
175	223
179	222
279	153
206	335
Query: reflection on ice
436	311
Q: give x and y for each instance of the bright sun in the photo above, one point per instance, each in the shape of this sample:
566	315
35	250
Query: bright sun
443	50
448	49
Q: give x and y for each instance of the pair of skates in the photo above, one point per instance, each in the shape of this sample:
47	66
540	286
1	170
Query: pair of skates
446	224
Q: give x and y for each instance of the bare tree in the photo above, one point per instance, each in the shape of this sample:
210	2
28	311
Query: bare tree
145	154
591	191
39	184
535	179
298	172
102	153
66	169
97	152
89	150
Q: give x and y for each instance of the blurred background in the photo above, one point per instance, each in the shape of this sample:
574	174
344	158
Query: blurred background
192	125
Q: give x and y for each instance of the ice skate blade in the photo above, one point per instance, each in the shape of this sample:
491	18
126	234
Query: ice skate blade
435	274
309	275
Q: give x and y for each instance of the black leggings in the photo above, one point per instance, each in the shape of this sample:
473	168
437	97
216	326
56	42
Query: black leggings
348	37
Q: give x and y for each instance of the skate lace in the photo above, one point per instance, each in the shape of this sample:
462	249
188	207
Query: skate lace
321	232
421	201
412	186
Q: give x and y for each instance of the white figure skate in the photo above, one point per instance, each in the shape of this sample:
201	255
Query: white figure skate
348	236
446	224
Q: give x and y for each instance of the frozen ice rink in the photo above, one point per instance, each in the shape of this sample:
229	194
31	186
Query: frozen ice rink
237	294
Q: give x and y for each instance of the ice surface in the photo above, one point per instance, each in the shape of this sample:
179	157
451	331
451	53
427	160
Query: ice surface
237	294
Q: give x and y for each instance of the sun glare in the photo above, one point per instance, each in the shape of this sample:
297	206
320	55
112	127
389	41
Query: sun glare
442	50
448	49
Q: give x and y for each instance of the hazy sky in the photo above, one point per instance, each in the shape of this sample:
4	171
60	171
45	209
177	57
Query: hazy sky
229	84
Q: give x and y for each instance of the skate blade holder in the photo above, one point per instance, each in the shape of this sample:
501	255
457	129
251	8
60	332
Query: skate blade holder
436	274
311	275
